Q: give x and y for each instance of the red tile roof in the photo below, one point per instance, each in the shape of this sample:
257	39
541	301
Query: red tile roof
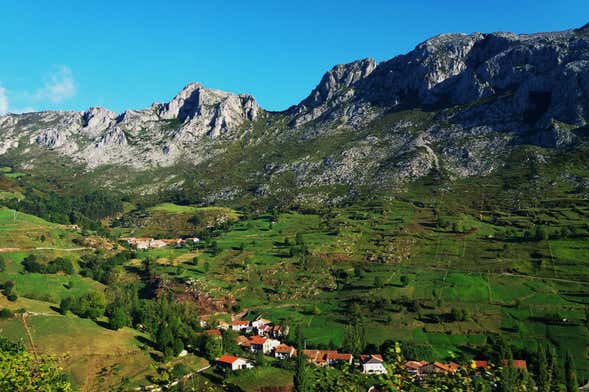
256	339
414	365
227	358
479	364
450	367
283	349
215	332
240	322
365	357
517	363
339	356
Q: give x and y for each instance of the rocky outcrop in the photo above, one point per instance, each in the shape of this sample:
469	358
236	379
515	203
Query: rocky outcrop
156	136
546	76
458	103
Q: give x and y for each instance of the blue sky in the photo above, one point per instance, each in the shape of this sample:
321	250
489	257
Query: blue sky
128	54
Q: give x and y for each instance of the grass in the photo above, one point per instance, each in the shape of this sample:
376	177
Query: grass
95	357
19	230
251	380
493	278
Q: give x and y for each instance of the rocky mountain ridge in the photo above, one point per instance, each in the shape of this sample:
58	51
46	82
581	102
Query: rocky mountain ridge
457	103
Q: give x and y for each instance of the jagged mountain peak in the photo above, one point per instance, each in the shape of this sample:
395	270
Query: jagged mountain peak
192	100
456	102
340	77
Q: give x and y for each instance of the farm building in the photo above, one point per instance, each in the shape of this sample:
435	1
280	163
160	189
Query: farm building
231	362
372	364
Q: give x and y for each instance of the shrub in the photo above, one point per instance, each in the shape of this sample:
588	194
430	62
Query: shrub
31	264
6	313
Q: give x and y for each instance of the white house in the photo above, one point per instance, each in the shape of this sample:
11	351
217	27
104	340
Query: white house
231	362
284	351
261	344
240	325
372	364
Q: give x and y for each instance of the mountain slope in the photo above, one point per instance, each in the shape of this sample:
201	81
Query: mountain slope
457	103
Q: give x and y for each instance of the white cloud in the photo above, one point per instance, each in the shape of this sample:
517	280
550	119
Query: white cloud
3	101
59	86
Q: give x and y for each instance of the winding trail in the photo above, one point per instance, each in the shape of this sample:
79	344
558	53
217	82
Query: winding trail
44	248
25	324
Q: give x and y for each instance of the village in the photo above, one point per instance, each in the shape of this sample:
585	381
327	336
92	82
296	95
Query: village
262	337
143	243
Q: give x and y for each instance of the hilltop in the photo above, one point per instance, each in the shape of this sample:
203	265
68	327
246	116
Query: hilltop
457	103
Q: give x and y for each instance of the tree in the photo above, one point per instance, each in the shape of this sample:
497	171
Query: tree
215	250
66	305
554	364
118	318
2	264
544	376
302	376
404	280
96	304
570	374
228	341
31	264
541	233
378	282
148	264
212	346
21	372
355	333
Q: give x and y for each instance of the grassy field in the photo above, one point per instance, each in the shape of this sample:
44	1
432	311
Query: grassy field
172	220
513	262
96	358
19	230
253	379
469	263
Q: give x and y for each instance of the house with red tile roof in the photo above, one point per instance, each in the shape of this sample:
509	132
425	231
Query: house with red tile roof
284	351
328	357
242	341
260	344
439	367
414	367
214	332
240	325
231	362
372	364
336	358
480	364
276	331
517	364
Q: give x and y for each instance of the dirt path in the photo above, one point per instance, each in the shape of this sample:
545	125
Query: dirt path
43	248
25	324
65	249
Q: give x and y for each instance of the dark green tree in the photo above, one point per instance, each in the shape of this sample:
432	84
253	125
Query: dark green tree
544	377
302	377
378	282
118	317
570	373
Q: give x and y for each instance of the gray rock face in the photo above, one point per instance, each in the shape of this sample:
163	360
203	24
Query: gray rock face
456	102
546	76
332	93
156	136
